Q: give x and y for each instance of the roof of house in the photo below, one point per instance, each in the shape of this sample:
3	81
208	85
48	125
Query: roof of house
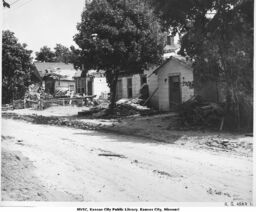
45	67
62	74
173	56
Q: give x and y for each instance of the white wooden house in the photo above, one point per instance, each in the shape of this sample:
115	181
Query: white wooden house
172	83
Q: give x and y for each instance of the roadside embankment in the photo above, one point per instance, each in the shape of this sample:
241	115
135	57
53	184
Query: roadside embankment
158	128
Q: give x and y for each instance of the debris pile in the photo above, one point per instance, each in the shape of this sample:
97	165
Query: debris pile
128	107
6	107
195	111
62	93
124	107
228	144
91	111
57	121
18	104
33	97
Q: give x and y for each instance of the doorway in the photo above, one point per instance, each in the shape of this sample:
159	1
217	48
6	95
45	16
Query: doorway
129	88
174	92
119	89
89	87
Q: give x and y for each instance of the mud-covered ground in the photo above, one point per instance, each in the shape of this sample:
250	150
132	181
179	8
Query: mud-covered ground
52	163
159	128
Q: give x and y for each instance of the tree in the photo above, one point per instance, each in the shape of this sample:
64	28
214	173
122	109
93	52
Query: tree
218	37
45	55
227	56
181	14
16	67
76	58
62	53
120	37
5	4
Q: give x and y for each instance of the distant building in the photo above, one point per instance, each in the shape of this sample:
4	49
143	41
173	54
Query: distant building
56	77
92	83
172	43
129	86
81	83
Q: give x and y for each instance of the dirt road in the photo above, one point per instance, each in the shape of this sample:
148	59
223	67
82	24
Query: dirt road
77	165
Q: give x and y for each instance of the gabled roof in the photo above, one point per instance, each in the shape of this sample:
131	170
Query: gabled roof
44	67
173	56
61	74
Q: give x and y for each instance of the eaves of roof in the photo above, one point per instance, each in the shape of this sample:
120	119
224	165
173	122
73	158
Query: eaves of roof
184	63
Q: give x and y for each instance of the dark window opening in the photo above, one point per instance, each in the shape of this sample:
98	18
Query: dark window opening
170	40
90	87
129	87
174	92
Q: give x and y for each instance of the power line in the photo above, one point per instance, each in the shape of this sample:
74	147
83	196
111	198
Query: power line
15	2
21	5
13	9
24	4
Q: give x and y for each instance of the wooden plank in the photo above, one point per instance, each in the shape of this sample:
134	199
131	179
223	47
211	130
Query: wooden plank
151	96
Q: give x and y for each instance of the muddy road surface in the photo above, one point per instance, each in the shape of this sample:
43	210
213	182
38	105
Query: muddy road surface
49	163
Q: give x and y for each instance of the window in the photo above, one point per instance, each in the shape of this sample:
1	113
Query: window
170	40
83	83
89	87
129	87
78	85
71	87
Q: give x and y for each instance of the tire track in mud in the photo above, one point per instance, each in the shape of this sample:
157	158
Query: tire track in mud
97	167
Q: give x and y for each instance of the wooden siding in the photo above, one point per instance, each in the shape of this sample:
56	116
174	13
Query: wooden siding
136	85
152	81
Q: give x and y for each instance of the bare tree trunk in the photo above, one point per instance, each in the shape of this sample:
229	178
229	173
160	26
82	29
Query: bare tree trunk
113	91
232	100
236	106
233	106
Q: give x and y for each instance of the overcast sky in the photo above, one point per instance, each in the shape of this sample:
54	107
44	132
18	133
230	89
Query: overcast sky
43	22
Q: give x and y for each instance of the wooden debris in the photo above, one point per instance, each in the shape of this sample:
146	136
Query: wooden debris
196	112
